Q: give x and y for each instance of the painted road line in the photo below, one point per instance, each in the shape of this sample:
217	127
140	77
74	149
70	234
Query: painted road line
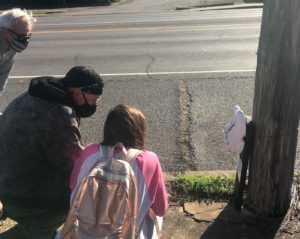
150	73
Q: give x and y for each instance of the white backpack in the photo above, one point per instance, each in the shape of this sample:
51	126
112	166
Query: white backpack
104	204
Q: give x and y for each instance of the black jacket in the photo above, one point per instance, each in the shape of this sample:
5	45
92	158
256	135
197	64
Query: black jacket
39	137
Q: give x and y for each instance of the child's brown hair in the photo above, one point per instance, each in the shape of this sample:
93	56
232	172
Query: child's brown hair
125	124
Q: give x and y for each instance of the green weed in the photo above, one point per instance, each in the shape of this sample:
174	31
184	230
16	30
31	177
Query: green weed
190	187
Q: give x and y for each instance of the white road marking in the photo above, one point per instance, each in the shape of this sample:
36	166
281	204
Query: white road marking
150	73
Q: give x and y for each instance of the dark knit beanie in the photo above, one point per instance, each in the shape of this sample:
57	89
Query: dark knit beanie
85	78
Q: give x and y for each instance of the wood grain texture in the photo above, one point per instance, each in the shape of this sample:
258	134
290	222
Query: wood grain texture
276	108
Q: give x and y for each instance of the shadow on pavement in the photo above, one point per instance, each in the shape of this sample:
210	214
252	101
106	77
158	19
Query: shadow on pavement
45	5
232	224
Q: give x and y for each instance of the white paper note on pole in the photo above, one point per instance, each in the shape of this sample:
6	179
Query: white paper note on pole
235	131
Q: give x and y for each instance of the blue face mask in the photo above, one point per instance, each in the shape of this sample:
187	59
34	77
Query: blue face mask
19	45
20	42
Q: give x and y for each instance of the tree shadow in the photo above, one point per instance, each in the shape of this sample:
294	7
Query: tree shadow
5	5
232	224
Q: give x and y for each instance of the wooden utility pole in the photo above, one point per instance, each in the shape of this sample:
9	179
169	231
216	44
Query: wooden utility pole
276	109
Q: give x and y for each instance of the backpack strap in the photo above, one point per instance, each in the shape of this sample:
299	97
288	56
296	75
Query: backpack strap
132	154
124	154
153	218
104	150
108	151
78	195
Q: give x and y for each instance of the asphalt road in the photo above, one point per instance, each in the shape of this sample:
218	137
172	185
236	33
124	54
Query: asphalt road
185	70
140	42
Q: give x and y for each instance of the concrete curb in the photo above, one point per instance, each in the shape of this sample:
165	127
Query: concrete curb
223	7
170	176
234	6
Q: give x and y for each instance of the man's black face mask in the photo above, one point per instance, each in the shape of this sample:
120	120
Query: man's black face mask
85	110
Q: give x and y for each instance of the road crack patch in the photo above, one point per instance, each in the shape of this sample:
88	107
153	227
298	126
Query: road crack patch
152	61
187	151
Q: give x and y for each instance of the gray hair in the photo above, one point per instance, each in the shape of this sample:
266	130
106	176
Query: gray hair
9	18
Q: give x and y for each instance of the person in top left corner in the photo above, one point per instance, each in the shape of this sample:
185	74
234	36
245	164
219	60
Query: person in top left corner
15	31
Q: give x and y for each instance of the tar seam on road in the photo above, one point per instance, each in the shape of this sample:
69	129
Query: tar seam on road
146	21
187	151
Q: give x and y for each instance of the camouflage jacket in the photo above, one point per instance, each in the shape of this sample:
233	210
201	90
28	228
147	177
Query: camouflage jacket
38	140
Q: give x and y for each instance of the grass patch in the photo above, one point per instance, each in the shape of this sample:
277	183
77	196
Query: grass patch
185	188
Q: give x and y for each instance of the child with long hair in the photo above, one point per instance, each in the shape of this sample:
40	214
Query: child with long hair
127	125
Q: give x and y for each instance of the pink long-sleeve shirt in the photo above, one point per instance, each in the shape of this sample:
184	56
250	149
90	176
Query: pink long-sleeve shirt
151	187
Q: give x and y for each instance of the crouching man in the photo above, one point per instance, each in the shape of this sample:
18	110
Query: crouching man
40	138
